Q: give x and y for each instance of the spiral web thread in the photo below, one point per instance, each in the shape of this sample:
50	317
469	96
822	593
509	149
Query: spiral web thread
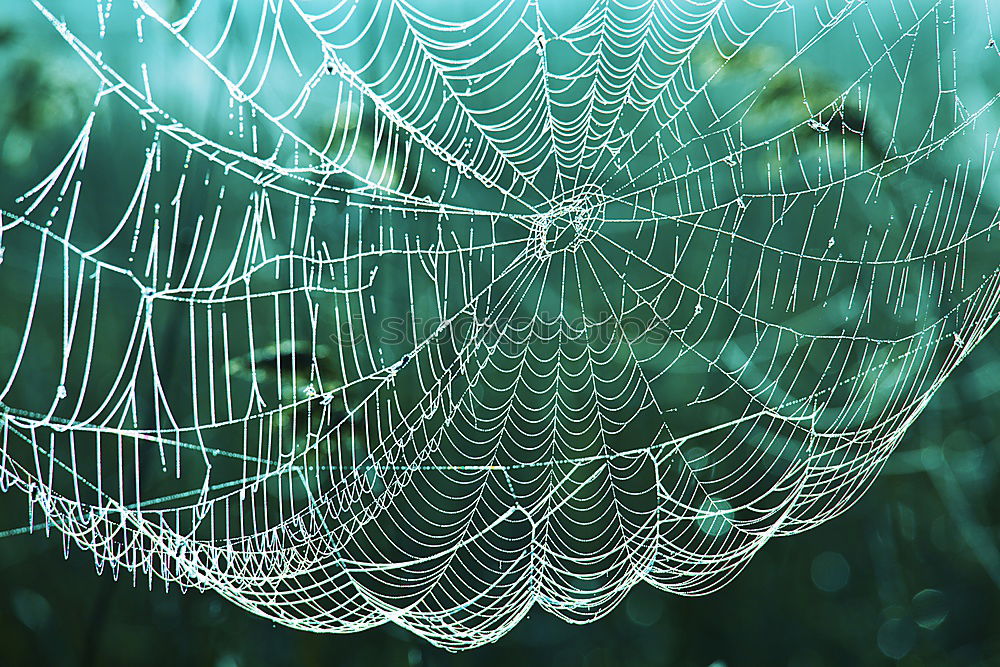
427	314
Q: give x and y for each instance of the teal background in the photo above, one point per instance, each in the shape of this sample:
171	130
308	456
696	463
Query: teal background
910	574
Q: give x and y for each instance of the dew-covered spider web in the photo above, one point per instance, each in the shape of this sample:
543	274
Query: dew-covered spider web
430	312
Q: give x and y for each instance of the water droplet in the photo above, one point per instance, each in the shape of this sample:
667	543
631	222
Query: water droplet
818	126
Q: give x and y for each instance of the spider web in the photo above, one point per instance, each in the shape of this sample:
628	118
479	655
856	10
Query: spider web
405	311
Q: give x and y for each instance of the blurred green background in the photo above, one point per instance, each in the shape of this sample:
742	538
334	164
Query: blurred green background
910	574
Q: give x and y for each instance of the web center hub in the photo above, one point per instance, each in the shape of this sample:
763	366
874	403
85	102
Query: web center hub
568	225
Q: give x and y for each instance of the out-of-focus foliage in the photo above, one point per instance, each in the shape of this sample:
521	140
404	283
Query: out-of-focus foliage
910	574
